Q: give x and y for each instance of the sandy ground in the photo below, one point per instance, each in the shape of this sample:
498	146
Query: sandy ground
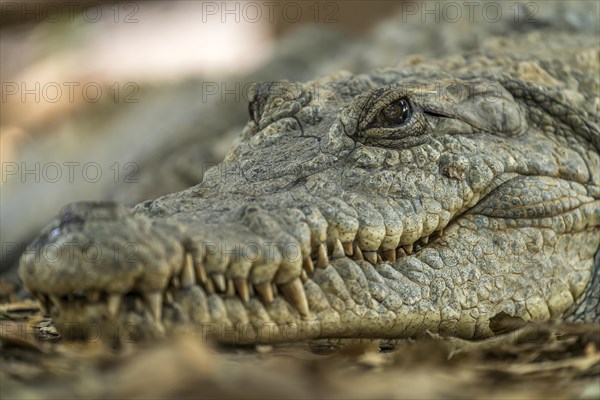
551	361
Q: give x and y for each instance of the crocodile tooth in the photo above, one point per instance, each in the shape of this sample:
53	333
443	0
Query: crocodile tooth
55	301
425	240
294	293
265	290
113	303
308	265
303	276
322	259
230	288
44	303
241	286
209	286
154	303
400	252
169	297
338	249
201	273
408	248
436	235
93	296
379	258
175	282
348	248
219	281
138	304
390	255
188	277
358	254
371	256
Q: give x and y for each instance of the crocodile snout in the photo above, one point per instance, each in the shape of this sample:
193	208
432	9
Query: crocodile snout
99	262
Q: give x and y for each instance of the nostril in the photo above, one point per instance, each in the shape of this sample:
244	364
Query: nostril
251	210
66	220
79	212
53	234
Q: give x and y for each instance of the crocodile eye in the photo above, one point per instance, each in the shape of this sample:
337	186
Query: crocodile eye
395	114
391	119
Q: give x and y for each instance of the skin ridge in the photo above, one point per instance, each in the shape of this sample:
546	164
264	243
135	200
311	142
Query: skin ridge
391	239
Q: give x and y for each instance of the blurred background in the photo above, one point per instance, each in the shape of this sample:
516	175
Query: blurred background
131	100
127	101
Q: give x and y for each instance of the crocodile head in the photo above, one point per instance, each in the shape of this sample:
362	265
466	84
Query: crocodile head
378	205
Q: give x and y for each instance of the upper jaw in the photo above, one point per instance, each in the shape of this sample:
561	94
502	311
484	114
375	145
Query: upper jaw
100	255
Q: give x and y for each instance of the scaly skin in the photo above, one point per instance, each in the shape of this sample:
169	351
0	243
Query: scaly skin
379	205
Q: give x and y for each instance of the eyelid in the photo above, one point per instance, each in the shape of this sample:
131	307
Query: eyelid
380	103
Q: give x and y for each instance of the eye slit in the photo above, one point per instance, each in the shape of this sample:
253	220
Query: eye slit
395	114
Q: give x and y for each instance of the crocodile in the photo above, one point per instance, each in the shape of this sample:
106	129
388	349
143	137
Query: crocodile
433	196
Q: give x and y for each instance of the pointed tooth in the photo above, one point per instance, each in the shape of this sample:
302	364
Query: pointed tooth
139	305
154	303
338	249
209	286
303	276
219	281
400	252
169	297
113	303
175	282
322	259
295	295
379	258
408	249
55	301
230	288
43	309
187	278
201	273
348	248
358	254
390	255
44	303
308	264
425	240
265	290
93	296
241	286
371	256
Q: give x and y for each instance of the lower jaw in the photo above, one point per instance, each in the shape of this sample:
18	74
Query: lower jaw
218	318
133	324
90	323
213	318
